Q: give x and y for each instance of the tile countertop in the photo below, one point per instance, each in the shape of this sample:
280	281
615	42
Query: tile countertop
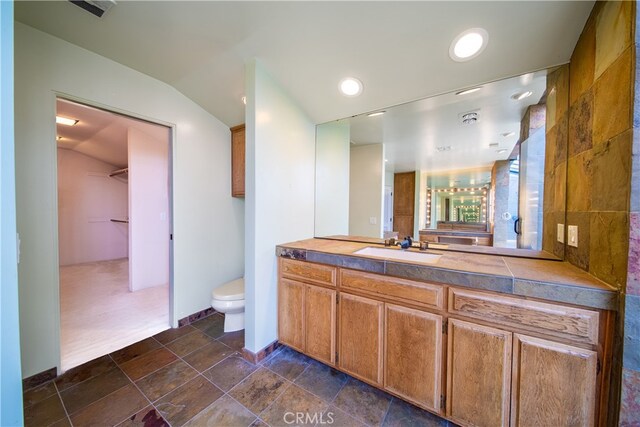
548	280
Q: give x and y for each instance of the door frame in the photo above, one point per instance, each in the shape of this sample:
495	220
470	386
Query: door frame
170	159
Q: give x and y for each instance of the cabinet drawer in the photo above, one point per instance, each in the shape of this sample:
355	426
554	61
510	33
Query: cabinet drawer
566	322
308	272
419	293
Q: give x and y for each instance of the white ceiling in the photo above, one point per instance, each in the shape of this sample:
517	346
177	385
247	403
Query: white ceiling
398	49
101	134
413	132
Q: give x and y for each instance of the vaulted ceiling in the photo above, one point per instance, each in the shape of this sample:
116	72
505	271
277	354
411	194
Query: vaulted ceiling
398	49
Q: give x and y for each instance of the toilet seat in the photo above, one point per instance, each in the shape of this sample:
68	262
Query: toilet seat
232	291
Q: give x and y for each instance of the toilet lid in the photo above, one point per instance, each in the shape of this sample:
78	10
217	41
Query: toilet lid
231	291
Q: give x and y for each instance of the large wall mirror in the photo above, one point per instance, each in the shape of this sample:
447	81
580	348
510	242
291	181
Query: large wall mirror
475	170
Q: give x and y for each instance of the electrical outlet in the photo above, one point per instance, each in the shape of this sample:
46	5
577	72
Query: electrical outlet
573	236
560	233
373	220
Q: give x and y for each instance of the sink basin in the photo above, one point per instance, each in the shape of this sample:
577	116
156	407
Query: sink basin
399	255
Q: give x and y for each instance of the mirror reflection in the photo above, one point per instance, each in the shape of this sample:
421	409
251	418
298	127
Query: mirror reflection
469	170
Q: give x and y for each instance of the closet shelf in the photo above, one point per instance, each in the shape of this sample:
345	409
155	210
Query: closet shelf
118	172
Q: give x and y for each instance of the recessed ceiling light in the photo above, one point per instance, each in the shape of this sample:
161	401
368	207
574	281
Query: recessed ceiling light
522	95
494	145
507	134
377	113
502	151
468	91
66	121
468	44
350	86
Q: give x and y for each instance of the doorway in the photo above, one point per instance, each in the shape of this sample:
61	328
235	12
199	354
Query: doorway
114	228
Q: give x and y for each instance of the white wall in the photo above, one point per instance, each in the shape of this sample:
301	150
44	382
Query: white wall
148	210
10	378
332	178
280	141
366	190
87	199
208	224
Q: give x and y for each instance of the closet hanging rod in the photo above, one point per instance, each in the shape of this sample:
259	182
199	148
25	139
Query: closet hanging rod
119	172
126	221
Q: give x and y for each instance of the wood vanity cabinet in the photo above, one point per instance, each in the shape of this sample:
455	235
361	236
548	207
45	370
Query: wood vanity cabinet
553	383
307	312
478	374
477	358
237	160
361	337
413	355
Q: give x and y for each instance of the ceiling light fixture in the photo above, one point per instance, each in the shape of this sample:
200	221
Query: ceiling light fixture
350	87
468	91
507	134
66	121
521	96
468	44
377	113
502	151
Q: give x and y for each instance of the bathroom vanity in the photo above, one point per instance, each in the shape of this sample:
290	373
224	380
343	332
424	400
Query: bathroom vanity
478	339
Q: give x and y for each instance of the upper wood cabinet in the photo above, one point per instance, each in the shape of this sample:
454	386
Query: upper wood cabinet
413	355
553	384
478	374
360	337
237	161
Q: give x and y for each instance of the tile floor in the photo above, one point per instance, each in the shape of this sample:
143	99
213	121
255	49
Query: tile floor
195	376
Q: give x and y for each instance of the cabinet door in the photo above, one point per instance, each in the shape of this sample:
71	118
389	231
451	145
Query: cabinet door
413	355
360	338
291	313
320	323
237	161
478	374
553	384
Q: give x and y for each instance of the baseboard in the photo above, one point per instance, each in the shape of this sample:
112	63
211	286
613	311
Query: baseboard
37	379
195	316
255	358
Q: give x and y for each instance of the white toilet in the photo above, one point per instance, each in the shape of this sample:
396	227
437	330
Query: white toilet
229	299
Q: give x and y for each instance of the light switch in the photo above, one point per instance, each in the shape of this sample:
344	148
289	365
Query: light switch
573	236
373	220
560	233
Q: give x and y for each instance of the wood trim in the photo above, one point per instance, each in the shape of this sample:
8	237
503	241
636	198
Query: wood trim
555	320
303	271
396	289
